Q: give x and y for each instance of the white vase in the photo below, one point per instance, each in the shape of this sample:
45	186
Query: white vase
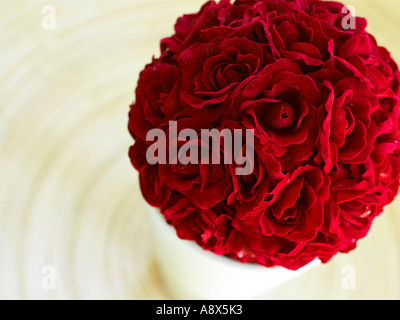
192	273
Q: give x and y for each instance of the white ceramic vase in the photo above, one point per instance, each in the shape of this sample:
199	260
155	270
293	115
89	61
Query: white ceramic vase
192	273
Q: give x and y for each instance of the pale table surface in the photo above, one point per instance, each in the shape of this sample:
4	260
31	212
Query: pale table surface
73	224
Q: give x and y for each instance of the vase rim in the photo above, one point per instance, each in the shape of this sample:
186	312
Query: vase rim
223	259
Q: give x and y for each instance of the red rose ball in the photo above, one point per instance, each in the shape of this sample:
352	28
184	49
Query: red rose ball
323	101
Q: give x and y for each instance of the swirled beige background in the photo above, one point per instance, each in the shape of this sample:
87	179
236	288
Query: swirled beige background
73	224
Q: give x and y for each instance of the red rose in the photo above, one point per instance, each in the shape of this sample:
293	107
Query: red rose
156	98
205	185
208	227
323	102
296	209
280	104
210	71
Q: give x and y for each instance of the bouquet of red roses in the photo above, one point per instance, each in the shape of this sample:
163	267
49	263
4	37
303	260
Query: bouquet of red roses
322	101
